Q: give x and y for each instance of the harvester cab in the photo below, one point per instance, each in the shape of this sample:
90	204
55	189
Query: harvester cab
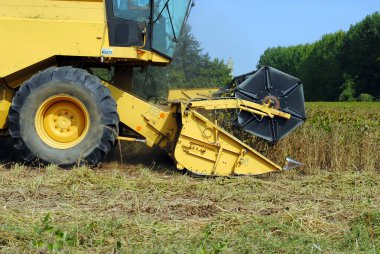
153	25
56	110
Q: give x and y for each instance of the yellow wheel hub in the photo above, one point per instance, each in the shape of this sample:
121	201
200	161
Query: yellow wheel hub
62	121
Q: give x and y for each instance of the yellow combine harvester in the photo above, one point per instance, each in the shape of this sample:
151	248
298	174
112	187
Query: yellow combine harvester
56	111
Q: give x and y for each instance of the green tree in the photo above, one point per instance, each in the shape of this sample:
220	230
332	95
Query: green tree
190	68
361	54
321	70
365	97
198	68
287	59
348	91
321	65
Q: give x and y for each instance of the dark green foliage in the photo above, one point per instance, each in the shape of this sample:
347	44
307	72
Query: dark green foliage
321	70
287	59
348	91
190	68
365	97
361	53
322	65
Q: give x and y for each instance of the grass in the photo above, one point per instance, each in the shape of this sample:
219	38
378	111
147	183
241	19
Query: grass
143	210
329	206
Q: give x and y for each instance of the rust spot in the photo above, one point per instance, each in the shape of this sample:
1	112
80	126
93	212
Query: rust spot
139	128
162	115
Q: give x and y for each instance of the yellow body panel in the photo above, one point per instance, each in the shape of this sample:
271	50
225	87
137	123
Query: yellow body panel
35	30
32	31
158	126
206	149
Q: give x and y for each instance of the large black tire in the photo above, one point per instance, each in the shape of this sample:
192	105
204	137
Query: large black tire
88	89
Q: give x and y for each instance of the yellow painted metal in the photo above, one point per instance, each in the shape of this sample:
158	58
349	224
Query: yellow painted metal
6	96
197	143
262	110
33	31
62	121
157	125
132	53
188	94
206	149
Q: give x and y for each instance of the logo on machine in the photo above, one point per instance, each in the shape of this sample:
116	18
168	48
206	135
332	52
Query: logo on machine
107	52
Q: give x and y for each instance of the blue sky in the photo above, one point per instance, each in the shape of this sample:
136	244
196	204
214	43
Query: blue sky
243	29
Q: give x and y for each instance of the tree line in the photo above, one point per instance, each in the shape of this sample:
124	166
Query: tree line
341	66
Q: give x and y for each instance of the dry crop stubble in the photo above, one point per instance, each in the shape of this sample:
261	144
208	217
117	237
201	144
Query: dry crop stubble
140	210
335	137
331	205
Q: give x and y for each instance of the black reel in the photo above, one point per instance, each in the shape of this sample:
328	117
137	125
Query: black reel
278	90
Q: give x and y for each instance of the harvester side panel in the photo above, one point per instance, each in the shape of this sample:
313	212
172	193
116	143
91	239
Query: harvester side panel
156	125
32	31
204	148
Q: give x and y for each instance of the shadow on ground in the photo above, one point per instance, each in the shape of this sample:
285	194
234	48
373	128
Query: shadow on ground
7	153
138	154
125	153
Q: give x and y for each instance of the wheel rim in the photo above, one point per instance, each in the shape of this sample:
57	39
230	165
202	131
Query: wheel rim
62	121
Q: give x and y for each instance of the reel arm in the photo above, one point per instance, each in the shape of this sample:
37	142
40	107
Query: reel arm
265	110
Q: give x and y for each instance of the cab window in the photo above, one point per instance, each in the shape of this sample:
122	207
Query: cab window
169	17
137	10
